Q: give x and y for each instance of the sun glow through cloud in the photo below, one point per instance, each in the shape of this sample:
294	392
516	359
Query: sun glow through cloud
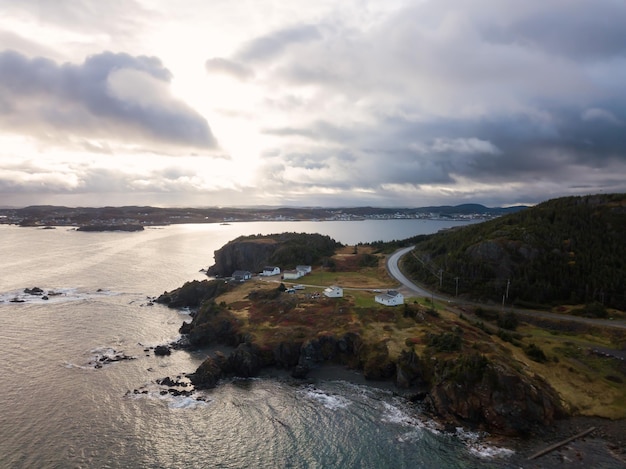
388	103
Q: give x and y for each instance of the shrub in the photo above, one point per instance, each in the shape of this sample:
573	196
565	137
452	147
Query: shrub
508	321
445	342
592	310
535	353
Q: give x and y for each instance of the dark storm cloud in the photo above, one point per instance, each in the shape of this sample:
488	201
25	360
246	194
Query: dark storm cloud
228	67
481	93
112	95
577	29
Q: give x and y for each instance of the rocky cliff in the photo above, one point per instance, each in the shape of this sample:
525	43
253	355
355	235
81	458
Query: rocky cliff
251	255
285	250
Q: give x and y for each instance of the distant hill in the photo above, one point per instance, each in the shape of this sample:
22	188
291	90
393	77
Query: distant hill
567	250
37	215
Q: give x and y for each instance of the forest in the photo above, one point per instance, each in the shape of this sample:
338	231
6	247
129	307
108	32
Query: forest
569	250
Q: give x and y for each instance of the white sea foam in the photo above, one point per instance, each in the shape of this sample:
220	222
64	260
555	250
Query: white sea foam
330	401
184	402
396	415
476	445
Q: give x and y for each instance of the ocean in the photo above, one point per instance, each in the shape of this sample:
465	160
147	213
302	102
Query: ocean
64	405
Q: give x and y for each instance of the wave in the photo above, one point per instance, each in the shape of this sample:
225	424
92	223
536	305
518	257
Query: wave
330	401
477	446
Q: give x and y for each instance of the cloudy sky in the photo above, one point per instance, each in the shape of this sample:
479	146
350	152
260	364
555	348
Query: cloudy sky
319	103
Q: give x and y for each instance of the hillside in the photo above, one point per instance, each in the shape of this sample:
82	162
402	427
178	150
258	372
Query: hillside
564	251
465	365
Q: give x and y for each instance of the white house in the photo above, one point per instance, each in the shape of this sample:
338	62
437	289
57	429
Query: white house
305	269
241	275
391	298
292	274
269	270
333	291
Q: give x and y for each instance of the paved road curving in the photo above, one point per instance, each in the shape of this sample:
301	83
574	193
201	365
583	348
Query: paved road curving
410	288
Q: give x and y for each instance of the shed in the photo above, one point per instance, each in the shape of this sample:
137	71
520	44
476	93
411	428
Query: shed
391	298
292	274
242	275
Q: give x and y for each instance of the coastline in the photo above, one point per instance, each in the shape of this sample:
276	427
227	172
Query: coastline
604	447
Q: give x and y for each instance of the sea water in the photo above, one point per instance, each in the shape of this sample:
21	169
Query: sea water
60	409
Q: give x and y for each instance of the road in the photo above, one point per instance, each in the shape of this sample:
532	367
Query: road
411	289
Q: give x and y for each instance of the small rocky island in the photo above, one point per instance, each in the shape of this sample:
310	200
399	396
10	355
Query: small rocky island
105	227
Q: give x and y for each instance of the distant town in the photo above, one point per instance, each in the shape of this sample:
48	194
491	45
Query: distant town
44	215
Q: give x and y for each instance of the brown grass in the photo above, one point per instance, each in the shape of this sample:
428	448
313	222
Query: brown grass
578	377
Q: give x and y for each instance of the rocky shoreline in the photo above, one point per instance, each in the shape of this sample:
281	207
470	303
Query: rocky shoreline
604	447
465	389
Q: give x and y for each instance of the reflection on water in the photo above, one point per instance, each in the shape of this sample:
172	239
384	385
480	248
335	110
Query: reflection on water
59	410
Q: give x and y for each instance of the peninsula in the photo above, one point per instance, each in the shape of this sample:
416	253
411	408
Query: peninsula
508	371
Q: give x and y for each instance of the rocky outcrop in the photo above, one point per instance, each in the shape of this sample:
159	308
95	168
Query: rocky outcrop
286	250
474	391
193	294
162	351
328	349
124	227
251	255
209	372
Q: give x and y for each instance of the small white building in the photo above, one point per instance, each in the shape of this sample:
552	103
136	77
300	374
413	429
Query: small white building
333	291
241	275
292	274
270	270
391	298
305	269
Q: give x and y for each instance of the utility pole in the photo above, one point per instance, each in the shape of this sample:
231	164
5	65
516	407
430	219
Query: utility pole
456	279
440	278
506	293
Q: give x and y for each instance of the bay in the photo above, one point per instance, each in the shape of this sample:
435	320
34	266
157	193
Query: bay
59	410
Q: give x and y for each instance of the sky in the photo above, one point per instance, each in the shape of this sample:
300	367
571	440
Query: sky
386	103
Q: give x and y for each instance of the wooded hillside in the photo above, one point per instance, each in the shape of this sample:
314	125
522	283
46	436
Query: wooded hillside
568	250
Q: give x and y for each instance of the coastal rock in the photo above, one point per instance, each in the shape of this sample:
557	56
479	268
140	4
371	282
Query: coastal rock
244	362
209	372
193	294
474	391
300	371
287	354
98	227
377	365
411	371
162	350
107	357
328	348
